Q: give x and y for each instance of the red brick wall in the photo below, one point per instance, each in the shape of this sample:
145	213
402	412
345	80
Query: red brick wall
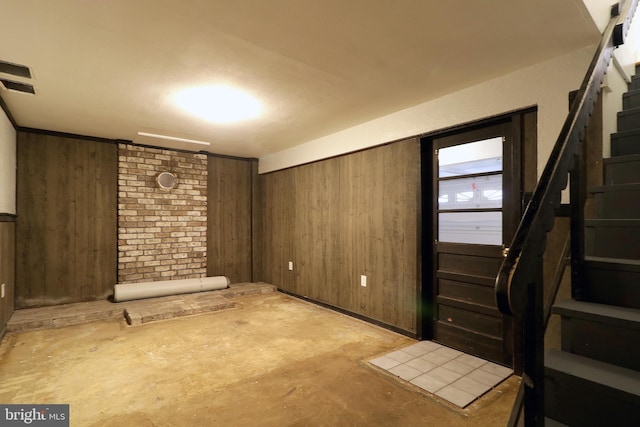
162	234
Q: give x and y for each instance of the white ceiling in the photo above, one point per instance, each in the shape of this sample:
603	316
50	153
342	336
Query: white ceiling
109	68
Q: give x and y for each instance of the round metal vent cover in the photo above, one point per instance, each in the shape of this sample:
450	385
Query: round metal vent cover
166	180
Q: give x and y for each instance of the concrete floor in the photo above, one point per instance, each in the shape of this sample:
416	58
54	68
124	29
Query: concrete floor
272	361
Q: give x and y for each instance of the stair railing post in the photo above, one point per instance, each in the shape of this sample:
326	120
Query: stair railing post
533	375
578	193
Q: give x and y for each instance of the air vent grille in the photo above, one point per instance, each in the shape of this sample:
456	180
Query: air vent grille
15	69
17	86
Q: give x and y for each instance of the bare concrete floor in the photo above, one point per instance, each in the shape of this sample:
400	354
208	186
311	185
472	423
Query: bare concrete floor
273	361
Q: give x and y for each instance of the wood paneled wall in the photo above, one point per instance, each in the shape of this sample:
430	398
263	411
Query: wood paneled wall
229	218
66	228
7	269
345	217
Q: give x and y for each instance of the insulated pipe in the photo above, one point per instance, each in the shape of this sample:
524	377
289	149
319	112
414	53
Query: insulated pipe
130	291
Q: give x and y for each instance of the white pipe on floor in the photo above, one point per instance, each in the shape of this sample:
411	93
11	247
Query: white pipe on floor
130	291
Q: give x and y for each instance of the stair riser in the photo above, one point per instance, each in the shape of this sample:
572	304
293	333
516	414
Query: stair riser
577	402
622	172
603	342
629	120
613	287
635	82
617	205
625	145
612	242
631	99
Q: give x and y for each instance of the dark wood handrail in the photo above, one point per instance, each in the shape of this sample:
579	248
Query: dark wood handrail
529	240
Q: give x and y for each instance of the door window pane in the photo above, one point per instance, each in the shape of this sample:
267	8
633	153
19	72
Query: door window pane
473	157
483	192
482	228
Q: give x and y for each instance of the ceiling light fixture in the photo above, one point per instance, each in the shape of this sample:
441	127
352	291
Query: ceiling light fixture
219	104
173	138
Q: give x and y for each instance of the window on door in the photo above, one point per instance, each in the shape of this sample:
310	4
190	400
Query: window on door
470	192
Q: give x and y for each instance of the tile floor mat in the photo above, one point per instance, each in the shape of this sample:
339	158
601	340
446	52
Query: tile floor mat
450	374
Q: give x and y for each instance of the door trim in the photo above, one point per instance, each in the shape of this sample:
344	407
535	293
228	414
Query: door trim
522	165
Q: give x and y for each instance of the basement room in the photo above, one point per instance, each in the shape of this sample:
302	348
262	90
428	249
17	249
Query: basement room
319	213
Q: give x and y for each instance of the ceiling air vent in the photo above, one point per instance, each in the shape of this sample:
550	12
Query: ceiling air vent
15	69
17	86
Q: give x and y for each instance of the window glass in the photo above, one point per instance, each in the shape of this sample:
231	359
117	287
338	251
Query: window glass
473	157
483	192
483	228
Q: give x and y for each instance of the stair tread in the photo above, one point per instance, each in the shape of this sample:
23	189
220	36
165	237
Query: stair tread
628	132
635	186
614	263
622	159
550	422
626	381
610	314
614	222
629	112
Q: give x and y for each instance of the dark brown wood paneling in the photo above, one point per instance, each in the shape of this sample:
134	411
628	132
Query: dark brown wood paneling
342	218
229	198
317	234
530	151
362	200
66	228
256	220
7	271
379	232
278	229
400	224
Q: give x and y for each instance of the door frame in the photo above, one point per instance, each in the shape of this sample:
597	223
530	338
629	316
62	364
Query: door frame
522	181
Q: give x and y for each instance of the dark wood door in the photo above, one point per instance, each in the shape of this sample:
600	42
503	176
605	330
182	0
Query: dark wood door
476	206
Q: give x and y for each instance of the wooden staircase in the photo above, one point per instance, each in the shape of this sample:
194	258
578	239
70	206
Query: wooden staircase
595	379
